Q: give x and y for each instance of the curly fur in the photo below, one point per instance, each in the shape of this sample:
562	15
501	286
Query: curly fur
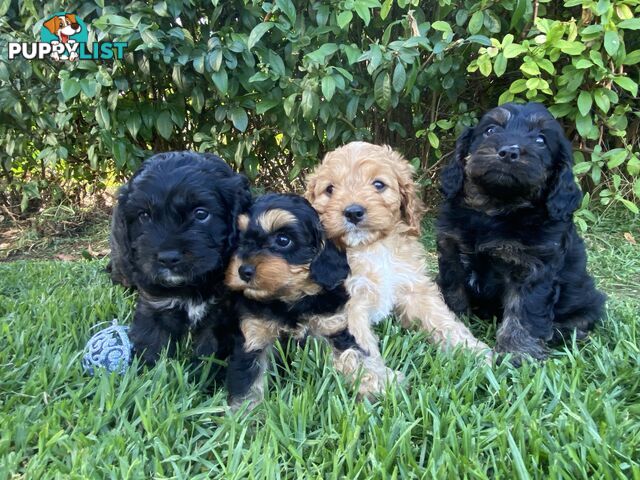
174	259
388	273
507	243
289	288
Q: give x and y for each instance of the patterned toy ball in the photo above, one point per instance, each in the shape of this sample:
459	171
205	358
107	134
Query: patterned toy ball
110	349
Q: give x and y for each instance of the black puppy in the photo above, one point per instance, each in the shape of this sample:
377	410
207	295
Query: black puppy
507	244
173	233
292	280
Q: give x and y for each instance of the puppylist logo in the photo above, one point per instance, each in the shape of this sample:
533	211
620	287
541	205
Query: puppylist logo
65	36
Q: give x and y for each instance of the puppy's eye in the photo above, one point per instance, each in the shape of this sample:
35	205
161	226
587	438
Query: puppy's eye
490	131
329	190
541	140
380	186
282	240
200	214
144	216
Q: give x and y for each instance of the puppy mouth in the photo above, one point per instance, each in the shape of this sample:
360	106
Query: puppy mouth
168	277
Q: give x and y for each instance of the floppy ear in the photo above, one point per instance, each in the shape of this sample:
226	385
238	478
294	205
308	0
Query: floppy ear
411	206
330	268
564	195
309	193
121	265
53	24
237	196
452	176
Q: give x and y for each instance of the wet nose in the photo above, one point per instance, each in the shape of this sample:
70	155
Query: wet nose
246	272
509	152
354	213
169	258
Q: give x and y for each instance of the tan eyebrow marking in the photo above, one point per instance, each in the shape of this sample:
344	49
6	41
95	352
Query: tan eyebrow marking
272	220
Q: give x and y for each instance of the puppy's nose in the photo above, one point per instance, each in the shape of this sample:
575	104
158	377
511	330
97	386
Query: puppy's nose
246	272
354	213
509	152
169	258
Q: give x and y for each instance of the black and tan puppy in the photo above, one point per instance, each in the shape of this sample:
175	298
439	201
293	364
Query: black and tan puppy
507	243
173	233
292	281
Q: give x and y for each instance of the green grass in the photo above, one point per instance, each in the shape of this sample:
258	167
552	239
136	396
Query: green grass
575	416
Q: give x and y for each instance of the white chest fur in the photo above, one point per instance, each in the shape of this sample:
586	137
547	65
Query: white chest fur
377	272
195	310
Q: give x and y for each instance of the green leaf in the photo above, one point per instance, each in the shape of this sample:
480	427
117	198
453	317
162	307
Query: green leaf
328	87
197	99
505	97
239	118
513	50
134	121
352	108
70	87
631	24
584	124
441	26
616	158
289	103
344	19
480	39
632	58
518	13
611	42
399	77
484	65
257	33
363	12
103	118
518	86
287	7
630	205
475	24
89	87
310	104
581	168
323	52
628	84
221	80
602	100
585	102
386	8
164	125
433	139
266	105
491	21
382	90
499	64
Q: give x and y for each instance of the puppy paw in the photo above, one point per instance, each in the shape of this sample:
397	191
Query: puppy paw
376	378
536	351
248	402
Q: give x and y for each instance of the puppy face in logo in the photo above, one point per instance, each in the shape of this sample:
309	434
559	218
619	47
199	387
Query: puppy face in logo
63	27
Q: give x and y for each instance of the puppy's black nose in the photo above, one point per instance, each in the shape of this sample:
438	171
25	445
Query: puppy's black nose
509	152
354	213
246	272
169	258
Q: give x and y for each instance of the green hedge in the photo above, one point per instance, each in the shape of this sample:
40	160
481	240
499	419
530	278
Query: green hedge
272	86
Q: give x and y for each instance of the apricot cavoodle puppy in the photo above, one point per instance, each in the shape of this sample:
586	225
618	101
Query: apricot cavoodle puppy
367	201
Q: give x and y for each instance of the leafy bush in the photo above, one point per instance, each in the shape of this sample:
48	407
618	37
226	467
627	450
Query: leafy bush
272	86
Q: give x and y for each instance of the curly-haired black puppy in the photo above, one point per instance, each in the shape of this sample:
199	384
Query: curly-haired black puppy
173	232
292	280
507	243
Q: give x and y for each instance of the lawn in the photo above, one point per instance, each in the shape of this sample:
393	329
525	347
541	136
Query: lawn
575	416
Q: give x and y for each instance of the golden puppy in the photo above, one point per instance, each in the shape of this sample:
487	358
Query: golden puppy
367	202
